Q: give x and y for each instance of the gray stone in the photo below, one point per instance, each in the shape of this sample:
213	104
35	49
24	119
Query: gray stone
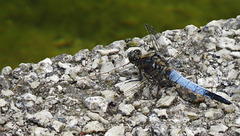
214	113
161	113
235	54
7	93
115	131
108	51
232	74
128	88
165	101
126	109
137	119
93	126
216	129
57	125
37	131
6	70
95	116
43	117
109	95
97	104
2	103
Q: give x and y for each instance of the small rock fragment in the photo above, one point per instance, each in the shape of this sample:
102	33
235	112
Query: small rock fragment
39	131
108	51
216	129
93	126
175	131
126	109
165	101
214	113
6	70
137	119
188	132
110	95
191	115
95	116
115	131
57	125
232	74
2	103
42	118
128	88
235	54
161	113
34	84
97	103
7	93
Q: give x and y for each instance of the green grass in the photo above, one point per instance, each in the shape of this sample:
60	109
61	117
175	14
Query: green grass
32	30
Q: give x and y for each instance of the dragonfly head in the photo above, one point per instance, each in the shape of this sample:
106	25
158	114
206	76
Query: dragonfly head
134	55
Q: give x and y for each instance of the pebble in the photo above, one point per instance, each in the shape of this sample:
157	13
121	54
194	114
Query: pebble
95	116
34	84
235	54
57	125
138	119
3	120
29	97
42	118
93	126
191	115
189	132
45	65
232	74
106	67
2	103
229	108
172	52
6	70
214	113
39	131
175	131
238	121
115	131
139	131
217	129
7	93
82	54
165	101
164	41
67	134
108	51
53	78
109	95
97	104
126	109
128	88
161	113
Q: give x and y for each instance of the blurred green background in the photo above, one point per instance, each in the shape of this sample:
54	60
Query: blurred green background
31	30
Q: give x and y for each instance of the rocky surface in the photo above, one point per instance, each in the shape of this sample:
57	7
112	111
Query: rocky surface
89	93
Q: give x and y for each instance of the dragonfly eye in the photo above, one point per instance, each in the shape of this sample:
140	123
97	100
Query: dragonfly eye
134	55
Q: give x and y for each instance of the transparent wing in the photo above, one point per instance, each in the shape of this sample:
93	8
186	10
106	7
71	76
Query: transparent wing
152	32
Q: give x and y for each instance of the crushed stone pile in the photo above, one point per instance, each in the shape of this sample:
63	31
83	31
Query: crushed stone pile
90	93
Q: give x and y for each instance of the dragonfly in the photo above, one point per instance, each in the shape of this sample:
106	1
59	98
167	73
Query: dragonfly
156	68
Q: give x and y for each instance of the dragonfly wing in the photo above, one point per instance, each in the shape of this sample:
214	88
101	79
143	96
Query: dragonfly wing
152	32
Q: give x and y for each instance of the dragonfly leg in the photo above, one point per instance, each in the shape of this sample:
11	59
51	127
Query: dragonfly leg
140	77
